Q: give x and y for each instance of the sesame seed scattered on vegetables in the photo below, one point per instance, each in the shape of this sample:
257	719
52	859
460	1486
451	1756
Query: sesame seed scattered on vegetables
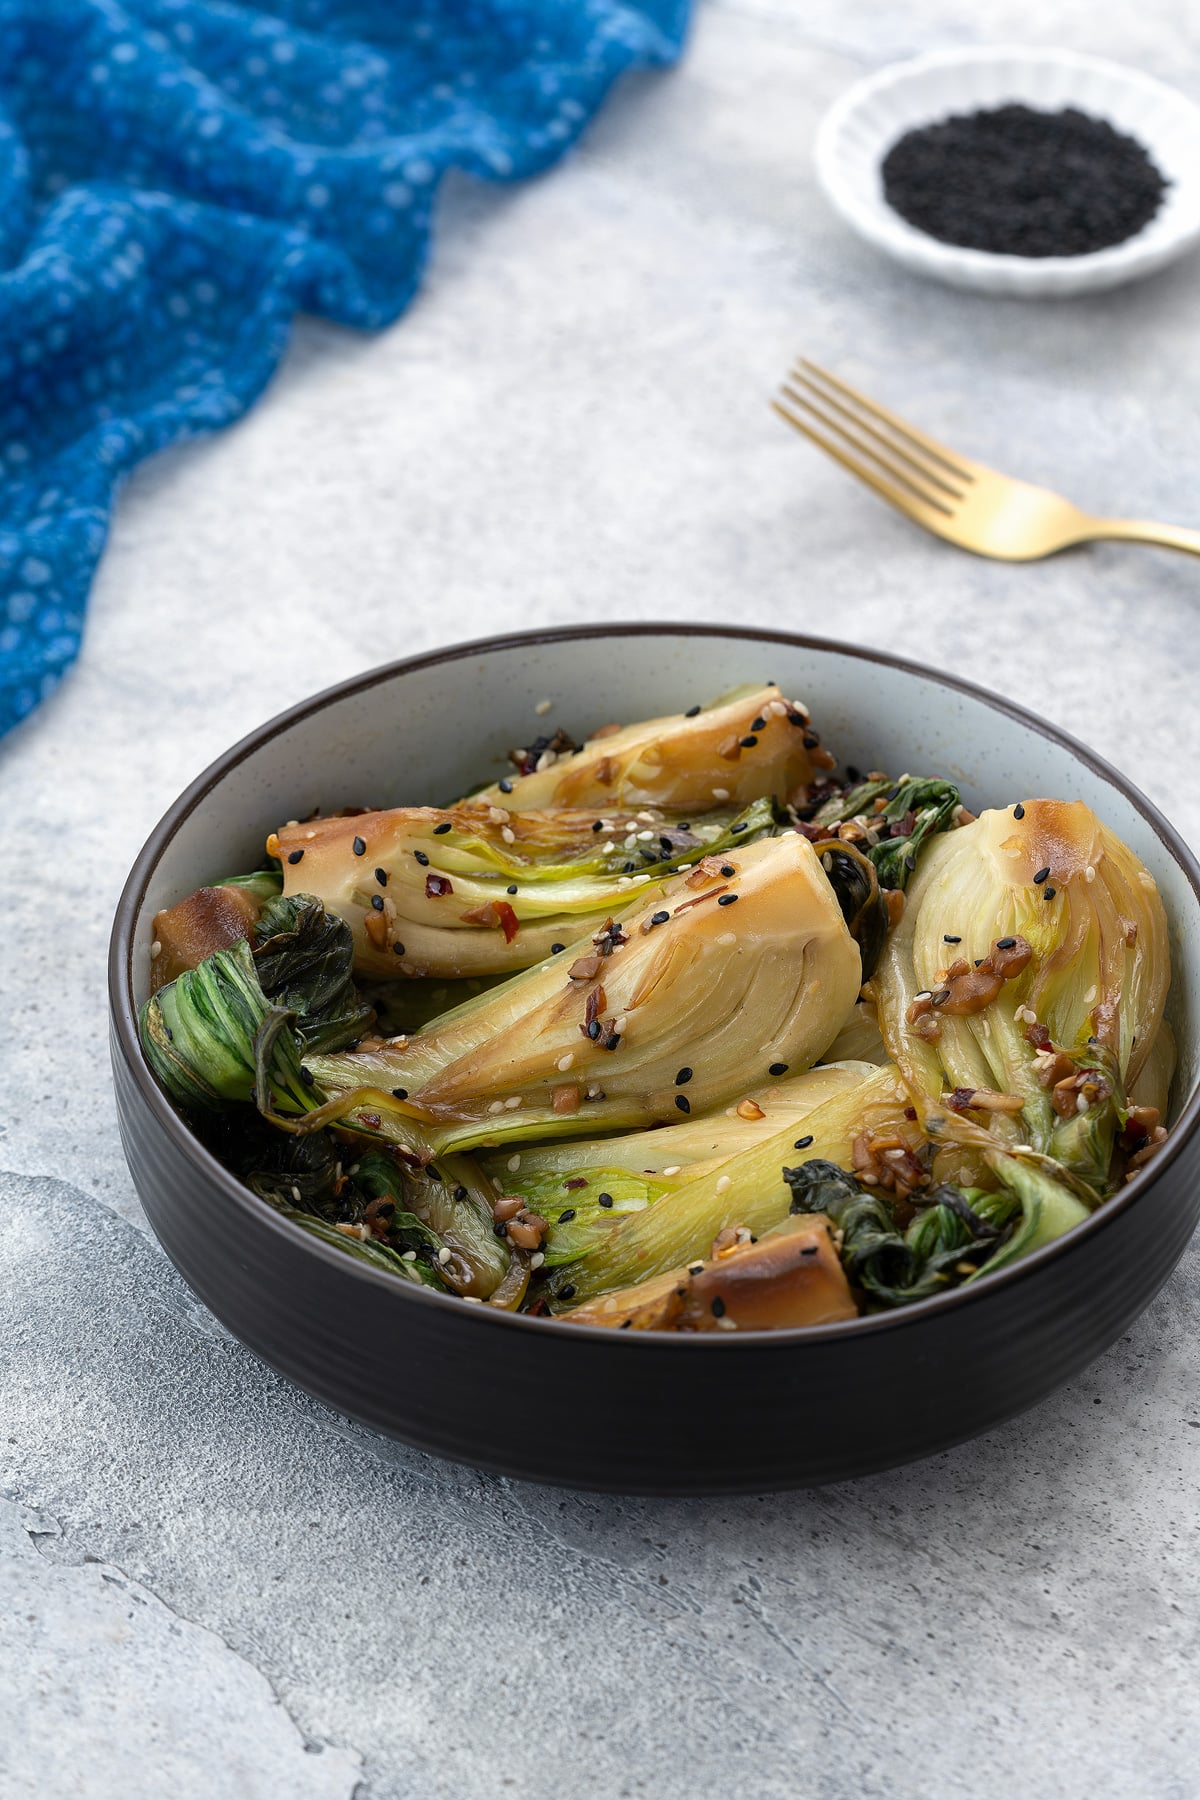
377	902
683	1077
511	888
726	899
683	1103
359	847
947	939
718	1307
440	830
1049	893
421	858
691	712
505	786
397	949
778	1068
802	1143
295	856
564	1218
1018	811
748	742
567	1293
1043	874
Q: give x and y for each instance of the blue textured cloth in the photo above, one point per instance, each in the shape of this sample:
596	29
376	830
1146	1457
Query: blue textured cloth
179	177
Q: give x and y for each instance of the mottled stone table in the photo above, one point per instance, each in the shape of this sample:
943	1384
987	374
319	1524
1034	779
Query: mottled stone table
209	1584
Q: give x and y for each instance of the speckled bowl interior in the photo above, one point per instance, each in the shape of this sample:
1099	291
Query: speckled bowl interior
425	731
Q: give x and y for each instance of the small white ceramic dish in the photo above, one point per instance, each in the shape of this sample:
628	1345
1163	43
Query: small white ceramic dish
860	128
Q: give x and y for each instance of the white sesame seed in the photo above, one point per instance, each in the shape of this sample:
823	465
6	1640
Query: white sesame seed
497	1184
443	1255
291	824
296	1195
546	760
726	1324
471	1299
496	1106
537	1259
644	836
1081	1104
543	707
630	842
724	1184
155	949
673	1169
1089	874
619	1023
497	815
513	1101
720	793
593	1092
514	1163
508	834
565	1062
310	834
408	1256
727	937
645	818
402	1039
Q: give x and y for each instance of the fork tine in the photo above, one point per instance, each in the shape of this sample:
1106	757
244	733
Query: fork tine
932	477
900	477
904	502
960	466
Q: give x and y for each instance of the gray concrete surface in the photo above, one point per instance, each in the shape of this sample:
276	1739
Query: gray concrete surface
210	1585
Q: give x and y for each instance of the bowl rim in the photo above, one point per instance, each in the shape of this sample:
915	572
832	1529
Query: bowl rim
893	234
124	1018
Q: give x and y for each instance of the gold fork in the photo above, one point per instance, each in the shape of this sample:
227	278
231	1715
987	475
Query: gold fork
963	501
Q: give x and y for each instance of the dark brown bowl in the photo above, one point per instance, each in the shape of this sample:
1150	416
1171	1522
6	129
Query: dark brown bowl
639	1412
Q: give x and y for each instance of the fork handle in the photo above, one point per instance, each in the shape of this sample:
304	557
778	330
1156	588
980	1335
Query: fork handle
1148	531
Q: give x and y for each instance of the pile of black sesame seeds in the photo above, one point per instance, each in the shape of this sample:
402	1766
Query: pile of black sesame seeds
1019	182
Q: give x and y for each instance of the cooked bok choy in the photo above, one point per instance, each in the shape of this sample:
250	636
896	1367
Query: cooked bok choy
585	1079
480	890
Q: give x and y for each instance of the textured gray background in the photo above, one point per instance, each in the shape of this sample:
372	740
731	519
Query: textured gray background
210	1584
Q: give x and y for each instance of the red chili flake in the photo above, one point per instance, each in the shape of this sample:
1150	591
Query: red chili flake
576	1181
509	922
437	885
369	1119
595	1005
910	1112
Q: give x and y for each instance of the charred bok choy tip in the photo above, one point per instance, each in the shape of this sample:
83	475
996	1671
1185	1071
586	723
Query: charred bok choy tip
888	822
1022	991
611	1251
477	890
752	744
722	971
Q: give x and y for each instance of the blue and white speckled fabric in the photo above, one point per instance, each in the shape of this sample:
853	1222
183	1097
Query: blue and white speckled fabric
179	177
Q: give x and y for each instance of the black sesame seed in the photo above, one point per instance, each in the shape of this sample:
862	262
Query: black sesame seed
778	1069
460	1193
511	888
421	858
625	1325
748	743
564	1218
718	1308
501	1229
1005	943
665	844
659	918
400	1093
691	712
294	856
910	863
947	939
1043	874
758	724
611	1041
728	869
381	877
556	949
359	847
594	1030
567	1293
599	825
397	949
505	786
683	1077
853	774
377	902
811	740
739	827
440	830
629	868
683	1103
802	1143
1018	811
604	1199
307	1076
433	1174
726	899
1049	893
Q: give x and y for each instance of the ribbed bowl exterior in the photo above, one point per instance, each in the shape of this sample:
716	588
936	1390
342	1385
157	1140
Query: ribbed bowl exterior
633	1411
